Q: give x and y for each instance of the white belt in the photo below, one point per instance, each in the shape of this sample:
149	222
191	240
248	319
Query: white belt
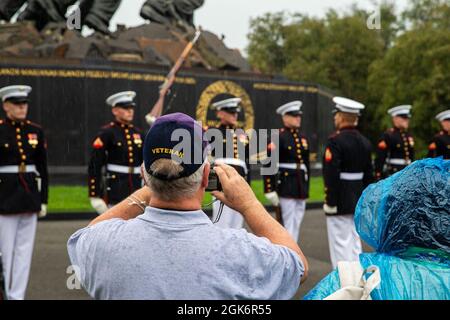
233	162
123	169
293	166
352	176
399	162
17	169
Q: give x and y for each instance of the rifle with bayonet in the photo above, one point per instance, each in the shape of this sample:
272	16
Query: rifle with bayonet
168	82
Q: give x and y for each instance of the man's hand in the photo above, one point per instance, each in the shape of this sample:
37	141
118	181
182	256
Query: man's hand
273	198
43	212
329	210
99	205
236	194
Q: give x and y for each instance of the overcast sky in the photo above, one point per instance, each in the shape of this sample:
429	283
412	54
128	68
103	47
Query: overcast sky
231	17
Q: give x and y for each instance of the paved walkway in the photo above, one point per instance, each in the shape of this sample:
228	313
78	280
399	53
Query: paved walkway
49	275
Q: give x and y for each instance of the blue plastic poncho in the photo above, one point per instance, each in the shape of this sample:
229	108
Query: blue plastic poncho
406	219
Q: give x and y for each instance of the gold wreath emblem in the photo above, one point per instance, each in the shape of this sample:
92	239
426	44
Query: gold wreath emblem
225	87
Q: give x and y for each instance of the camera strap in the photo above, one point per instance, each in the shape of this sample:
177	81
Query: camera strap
219	214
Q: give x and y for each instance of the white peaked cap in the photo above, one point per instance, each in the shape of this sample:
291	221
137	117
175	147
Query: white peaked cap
400	110
348	105
227	104
14	92
121	98
294	106
443	115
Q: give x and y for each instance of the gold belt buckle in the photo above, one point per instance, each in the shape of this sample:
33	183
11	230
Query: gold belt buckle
130	170
22	168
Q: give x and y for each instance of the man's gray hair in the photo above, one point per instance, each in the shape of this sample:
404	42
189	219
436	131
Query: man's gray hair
175	189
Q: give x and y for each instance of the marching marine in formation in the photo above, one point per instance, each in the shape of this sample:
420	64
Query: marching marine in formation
347	171
23	188
440	146
233	142
289	188
395	149
118	149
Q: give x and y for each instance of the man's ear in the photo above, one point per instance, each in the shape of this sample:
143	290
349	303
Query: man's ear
205	179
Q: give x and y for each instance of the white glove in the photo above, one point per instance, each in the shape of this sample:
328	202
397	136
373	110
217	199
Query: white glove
273	198
150	119
43	212
329	210
99	205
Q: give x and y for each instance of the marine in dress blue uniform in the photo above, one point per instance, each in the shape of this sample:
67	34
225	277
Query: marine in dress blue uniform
395	149
347	171
23	187
289	188
234	142
117	149
440	145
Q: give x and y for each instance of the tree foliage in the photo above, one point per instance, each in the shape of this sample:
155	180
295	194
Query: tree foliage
416	70
266	43
432	13
407	61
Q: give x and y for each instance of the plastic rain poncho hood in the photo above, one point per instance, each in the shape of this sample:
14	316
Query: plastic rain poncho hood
406	219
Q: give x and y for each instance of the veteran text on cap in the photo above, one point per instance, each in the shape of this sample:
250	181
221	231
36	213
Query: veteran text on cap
159	144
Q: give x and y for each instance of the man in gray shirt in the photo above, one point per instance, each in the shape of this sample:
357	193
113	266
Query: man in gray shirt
172	250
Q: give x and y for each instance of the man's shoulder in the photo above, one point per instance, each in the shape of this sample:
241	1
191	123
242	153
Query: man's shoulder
235	237
390	131
339	137
365	139
33	127
4	127
109	224
387	133
101	229
244	246
108	127
108	130
303	136
137	129
284	134
333	136
247	241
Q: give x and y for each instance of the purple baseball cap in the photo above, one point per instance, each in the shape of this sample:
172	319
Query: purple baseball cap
179	137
